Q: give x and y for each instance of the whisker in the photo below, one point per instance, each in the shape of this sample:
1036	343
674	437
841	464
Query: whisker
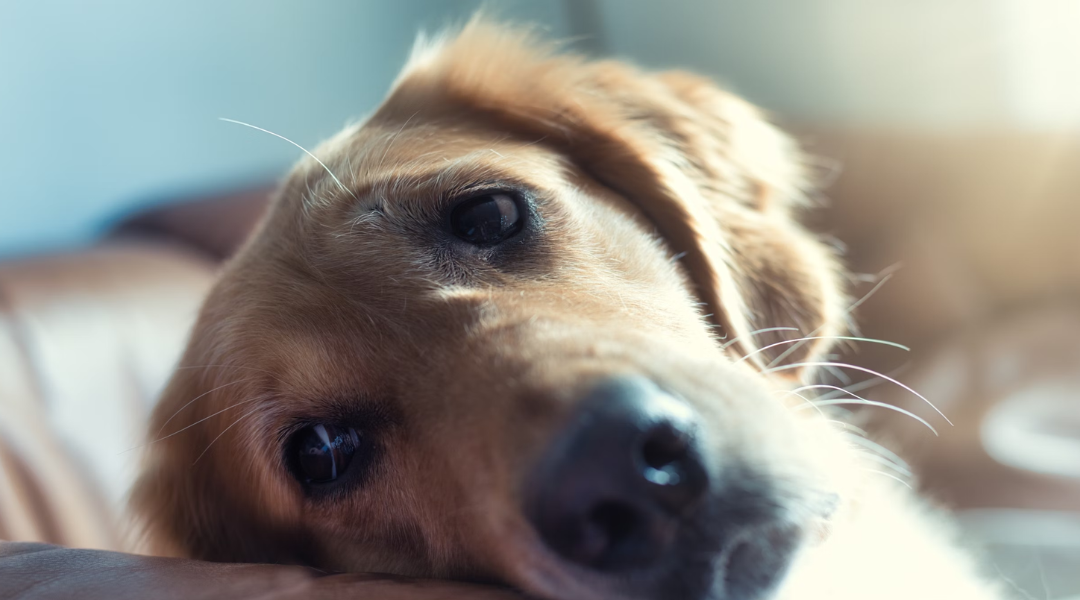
884	452
881	460
848	427
305	150
857	304
826	386
820	403
181	430
891	272
192	401
223	431
807	402
733	340
864	370
860	436
826	337
890	476
861	385
838	374
858	400
185	367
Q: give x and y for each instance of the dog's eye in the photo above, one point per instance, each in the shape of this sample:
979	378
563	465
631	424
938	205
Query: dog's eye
487	220
323	452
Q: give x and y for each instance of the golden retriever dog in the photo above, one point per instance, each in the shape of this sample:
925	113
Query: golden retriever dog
517	327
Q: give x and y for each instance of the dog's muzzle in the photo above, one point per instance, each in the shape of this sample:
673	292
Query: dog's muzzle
625	493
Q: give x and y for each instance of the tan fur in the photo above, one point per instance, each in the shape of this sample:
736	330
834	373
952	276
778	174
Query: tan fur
667	229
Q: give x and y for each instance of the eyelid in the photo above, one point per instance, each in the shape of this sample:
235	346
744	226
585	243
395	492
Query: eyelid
517	189
483	186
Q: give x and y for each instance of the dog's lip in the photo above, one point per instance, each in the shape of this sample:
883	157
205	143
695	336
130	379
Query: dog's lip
547	576
557	580
530	566
539	571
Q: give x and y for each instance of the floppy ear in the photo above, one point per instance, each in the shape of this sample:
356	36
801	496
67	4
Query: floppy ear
715	178
753	177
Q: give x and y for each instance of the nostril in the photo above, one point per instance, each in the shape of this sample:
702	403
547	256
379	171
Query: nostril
614	488
612	535
617	521
663	453
608	525
623	536
671	468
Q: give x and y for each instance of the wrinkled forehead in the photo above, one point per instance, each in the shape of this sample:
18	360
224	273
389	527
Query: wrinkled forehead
387	158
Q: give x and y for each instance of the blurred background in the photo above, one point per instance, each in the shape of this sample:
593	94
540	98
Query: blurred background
948	134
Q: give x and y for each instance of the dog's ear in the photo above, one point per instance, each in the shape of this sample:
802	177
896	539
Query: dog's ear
717	180
753	178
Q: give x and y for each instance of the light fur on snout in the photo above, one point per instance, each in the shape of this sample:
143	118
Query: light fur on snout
666	246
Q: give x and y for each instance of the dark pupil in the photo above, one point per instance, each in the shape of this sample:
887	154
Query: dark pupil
487	219
325	451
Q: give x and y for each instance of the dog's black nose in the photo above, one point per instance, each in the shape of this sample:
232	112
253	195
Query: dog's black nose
611	492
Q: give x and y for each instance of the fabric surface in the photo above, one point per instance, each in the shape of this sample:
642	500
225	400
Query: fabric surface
87	341
40	571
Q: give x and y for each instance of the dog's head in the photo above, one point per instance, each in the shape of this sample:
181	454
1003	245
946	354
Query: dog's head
490	334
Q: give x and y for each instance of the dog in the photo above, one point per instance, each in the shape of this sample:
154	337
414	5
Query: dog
530	324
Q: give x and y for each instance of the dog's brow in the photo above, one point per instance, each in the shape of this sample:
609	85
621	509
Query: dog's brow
305	151
459	178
